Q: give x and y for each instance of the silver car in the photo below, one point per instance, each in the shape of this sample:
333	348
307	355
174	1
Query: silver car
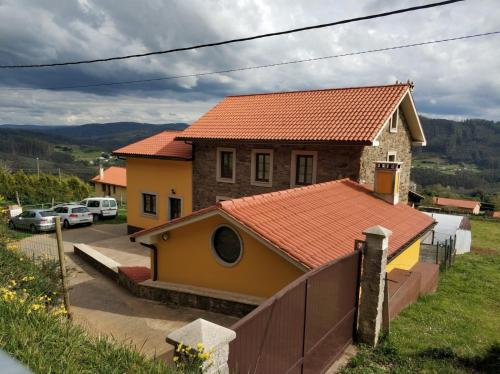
34	220
73	214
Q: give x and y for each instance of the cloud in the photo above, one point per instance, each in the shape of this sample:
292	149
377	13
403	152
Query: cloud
454	79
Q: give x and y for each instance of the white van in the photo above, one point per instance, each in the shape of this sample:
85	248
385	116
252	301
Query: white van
101	207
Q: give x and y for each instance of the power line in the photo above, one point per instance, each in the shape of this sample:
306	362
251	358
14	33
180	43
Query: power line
265	66
231	41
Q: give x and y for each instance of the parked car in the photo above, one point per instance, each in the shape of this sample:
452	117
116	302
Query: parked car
72	214
34	220
101	207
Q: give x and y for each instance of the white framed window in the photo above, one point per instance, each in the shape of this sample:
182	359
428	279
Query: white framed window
262	167
391	156
227	246
394	121
174	208
304	166
149	204
226	165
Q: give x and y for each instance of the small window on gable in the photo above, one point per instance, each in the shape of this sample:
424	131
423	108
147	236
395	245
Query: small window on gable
393	126
226	165
391	156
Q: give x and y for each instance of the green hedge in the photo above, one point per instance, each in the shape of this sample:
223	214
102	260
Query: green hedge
34	189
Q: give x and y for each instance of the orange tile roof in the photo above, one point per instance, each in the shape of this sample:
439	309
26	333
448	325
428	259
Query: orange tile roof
113	175
345	115
318	223
161	145
467	204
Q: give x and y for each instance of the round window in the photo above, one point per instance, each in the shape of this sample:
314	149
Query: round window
226	244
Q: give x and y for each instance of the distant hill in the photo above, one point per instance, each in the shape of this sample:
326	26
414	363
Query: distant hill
107	136
71	149
460	157
473	141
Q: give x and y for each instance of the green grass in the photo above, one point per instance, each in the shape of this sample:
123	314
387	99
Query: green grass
485	234
121	217
50	344
454	330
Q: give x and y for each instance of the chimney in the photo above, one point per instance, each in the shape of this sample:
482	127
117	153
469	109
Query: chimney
101	172
386	182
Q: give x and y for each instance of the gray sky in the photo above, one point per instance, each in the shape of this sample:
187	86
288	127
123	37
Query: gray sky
456	80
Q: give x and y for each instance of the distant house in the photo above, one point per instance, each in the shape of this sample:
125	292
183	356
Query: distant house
159	180
495	214
111	182
458	205
450	226
276	237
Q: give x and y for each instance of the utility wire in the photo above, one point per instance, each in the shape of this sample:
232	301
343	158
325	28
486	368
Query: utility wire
231	41
263	66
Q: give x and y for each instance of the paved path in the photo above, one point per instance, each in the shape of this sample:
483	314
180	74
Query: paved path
102	307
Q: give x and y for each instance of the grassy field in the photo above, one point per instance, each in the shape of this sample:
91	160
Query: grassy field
34	330
456	330
485	234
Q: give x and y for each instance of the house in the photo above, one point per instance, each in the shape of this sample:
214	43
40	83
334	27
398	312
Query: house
111	182
494	214
457	205
256	245
254	144
450	226
159	181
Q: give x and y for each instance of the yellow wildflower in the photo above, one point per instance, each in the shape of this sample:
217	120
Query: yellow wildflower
12	247
12	283
176	358
179	347
34	308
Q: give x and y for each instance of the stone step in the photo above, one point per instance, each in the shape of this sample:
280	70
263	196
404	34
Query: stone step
97	260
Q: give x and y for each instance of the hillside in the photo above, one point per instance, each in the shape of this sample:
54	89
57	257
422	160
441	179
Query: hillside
107	136
75	150
461	155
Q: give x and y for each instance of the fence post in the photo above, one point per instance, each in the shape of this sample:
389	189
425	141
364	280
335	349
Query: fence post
372	284
62	265
386	318
213	338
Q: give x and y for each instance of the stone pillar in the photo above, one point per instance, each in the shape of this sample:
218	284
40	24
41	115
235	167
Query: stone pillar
372	284
214	339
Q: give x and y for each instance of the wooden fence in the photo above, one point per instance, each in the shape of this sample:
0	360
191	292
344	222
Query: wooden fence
304	327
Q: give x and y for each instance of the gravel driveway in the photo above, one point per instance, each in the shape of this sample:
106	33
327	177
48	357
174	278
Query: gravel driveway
102	307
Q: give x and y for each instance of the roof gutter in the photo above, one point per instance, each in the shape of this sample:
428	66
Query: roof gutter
410	242
272	141
134	155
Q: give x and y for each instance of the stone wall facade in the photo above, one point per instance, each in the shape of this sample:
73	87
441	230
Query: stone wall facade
334	162
401	143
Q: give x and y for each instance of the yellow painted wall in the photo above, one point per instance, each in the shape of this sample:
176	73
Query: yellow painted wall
160	177
186	258
407	259
120	195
